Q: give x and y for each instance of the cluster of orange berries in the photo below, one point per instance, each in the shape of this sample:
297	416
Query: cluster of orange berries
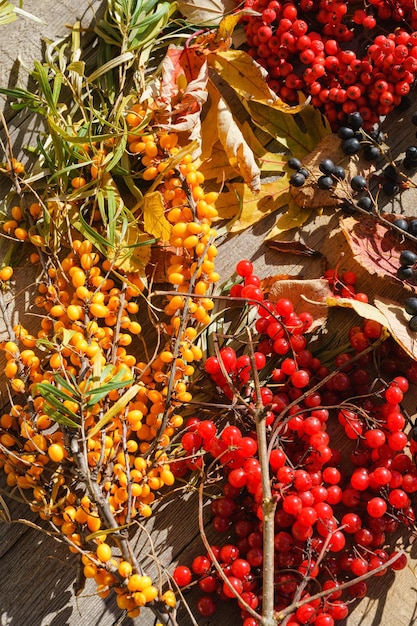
88	329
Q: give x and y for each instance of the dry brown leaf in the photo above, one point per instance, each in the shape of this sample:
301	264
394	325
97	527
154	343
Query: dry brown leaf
183	91
330	148
375	247
306	295
397	320
159	262
293	247
205	12
269	281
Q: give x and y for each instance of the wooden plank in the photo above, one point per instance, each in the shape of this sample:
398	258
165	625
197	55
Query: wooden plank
37	574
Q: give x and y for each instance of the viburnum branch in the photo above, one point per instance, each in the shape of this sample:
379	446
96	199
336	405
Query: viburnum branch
268	501
213	556
279	421
279	617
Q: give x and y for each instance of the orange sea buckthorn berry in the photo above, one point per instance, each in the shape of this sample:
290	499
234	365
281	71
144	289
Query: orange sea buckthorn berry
9	226
150	173
103	552
78	181
16	213
10	369
169	598
18	385
90	570
139	598
150	593
16	166
93	523
56	452
21	234
124	569
35	210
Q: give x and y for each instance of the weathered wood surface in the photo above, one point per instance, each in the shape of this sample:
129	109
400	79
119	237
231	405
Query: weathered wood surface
37	574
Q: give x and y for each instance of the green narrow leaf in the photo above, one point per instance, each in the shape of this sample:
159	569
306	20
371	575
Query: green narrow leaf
7	13
41	74
115	409
92	235
101	392
60	380
111	65
59	418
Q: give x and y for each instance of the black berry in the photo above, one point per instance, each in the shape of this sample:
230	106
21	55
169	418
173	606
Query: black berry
325	182
411	305
358	183
401	223
297	179
345	132
354	120
412	324
339	172
408	257
294	163
390	188
405	272
351	146
326	166
371	153
365	203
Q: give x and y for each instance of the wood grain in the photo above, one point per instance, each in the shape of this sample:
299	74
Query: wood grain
37	574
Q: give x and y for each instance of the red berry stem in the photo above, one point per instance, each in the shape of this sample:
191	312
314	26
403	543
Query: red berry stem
268	501
280	618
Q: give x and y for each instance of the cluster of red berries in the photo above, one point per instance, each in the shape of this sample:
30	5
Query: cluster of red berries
330	527
343	286
304	47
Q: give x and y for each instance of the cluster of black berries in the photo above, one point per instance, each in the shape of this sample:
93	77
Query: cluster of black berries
331	174
408	227
411	308
300	175
407	270
354	140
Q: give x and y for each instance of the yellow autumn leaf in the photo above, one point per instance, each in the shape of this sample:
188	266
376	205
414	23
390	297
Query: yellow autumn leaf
217	166
397	320
294	217
155	222
247	78
253	207
133	251
228	25
227	205
268	161
209	132
364	309
300	133
237	150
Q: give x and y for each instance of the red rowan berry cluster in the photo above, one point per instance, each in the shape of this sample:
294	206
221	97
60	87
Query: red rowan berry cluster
330	527
305	48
